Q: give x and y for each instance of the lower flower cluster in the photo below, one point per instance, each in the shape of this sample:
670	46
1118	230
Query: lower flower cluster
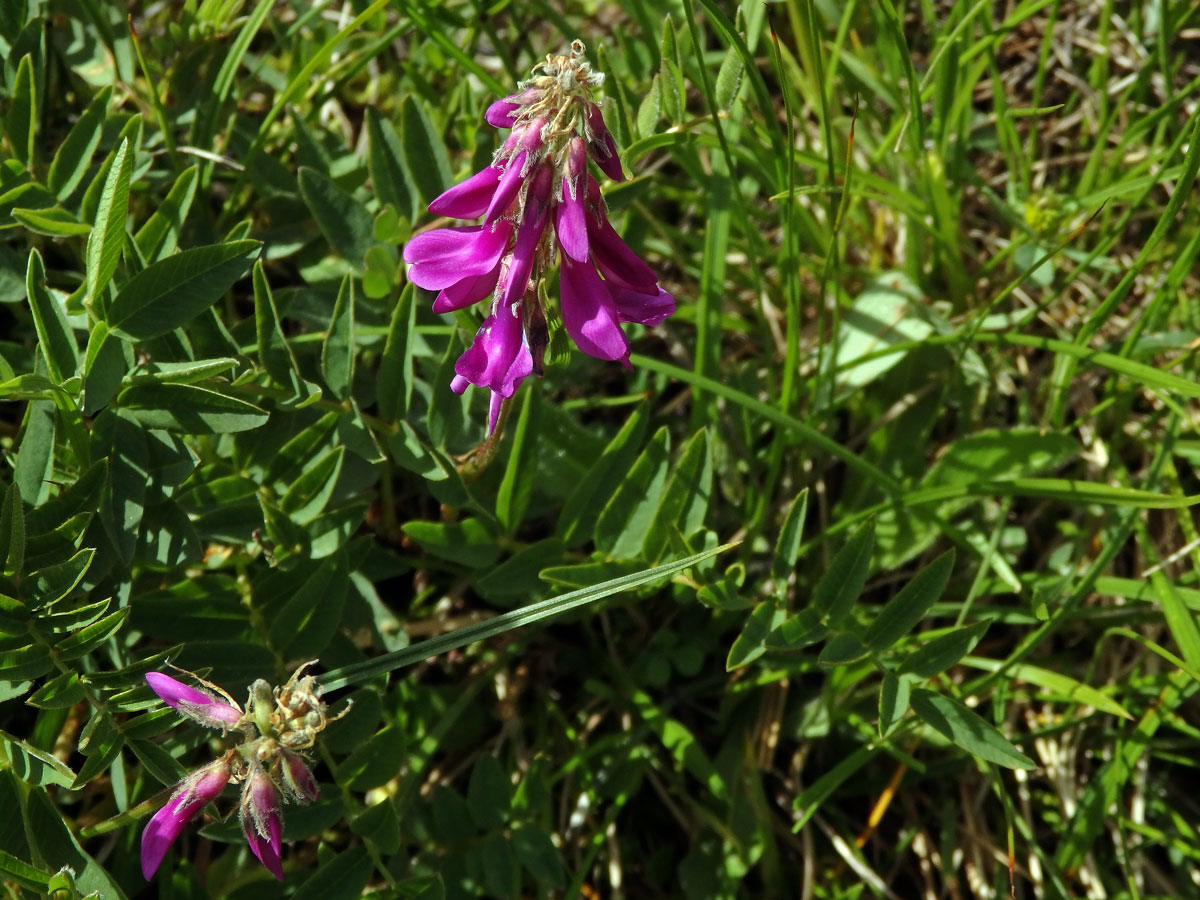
277	726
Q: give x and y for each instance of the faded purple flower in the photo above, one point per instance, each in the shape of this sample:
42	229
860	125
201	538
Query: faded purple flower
190	796
201	706
537	199
261	823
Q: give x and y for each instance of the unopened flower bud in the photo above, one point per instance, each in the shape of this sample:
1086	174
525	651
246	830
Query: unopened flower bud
298	781
198	705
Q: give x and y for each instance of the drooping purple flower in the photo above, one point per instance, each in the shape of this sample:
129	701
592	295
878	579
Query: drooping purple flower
191	795
261	823
538	204
201	706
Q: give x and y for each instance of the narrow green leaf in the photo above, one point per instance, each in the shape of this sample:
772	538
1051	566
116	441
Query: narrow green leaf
787	545
125	494
57	847
60	692
12	532
630	509
313	613
841	649
55	337
171	292
516	487
309	494
23	874
75	153
750	644
274	352
893	701
1181	621
25	663
337	350
843	581
189	372
909	606
686	497
88	639
943	651
585	503
108	230
23	113
34	766
650	108
341	878
489	793
393	393
469	542
52	583
424	152
343	220
52	221
390	177
729	79
357	673
1054	682
967	729
104	365
159	236
35	451
374	762
189	409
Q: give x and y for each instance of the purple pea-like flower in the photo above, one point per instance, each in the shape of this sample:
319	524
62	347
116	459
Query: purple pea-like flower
191	795
200	706
538	203
260	819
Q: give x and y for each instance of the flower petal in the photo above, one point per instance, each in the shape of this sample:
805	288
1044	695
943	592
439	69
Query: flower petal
469	199
466	292
260	819
267	849
571	226
529	235
494	411
502	113
645	309
439	258
194	703
615	260
498	357
570	222
603	148
589	314
192	795
612	255
507	188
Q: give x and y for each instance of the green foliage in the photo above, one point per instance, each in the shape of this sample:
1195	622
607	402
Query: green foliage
885	539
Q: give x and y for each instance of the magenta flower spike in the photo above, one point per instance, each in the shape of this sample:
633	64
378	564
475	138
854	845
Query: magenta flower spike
260	819
200	706
539	204
192	795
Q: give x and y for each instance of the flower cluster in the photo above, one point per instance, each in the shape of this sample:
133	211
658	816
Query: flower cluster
538	202
277	726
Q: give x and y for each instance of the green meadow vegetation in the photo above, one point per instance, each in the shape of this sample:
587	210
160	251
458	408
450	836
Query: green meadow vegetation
875	575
